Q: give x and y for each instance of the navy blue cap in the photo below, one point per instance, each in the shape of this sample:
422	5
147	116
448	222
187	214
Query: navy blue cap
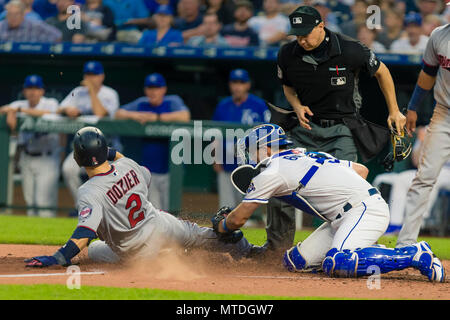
164	9
413	18
239	75
93	67
33	81
154	80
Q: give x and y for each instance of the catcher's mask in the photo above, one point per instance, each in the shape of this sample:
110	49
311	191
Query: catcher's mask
401	149
89	147
265	135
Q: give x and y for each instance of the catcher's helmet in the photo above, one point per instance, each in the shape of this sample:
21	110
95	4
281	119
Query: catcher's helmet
89	147
269	134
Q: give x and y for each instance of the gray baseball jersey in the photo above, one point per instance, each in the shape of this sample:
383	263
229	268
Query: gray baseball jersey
115	205
436	54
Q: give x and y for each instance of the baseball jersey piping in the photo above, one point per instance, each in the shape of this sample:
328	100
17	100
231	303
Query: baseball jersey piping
362	214
106	173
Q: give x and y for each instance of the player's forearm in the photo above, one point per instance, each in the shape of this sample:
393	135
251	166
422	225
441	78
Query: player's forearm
179	116
71	249
387	87
425	81
97	107
239	216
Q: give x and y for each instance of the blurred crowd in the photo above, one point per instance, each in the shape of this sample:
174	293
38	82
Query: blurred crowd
400	26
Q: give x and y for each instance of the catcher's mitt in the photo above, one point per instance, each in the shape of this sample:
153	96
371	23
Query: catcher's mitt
401	149
228	237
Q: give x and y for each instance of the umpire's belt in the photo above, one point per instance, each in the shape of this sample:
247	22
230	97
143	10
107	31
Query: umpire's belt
326	123
371	191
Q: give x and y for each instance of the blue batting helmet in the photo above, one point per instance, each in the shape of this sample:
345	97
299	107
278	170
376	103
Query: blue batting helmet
265	135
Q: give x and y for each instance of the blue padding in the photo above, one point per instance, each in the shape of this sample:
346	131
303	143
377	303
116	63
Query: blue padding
294	200
83	232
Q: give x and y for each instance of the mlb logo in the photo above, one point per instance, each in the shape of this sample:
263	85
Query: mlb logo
338	81
297	20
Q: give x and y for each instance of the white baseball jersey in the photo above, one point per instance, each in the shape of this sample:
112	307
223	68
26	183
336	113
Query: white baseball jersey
328	183
37	142
437	53
80	98
115	205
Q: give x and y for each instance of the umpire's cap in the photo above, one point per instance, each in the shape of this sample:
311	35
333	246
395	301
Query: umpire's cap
89	147
303	20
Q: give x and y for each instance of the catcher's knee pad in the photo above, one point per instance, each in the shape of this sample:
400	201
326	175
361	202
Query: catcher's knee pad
340	263
293	259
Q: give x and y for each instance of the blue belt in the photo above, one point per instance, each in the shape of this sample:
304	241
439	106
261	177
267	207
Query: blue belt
371	192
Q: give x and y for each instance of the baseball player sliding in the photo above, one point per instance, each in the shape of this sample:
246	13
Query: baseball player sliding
113	205
355	214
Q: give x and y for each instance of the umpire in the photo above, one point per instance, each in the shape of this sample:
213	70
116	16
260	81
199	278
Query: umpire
319	73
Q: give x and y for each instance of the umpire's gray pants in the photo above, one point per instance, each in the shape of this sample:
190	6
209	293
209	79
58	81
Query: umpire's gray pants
435	153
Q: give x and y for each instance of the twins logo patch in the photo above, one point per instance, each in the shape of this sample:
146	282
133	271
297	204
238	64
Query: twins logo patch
338	81
85	213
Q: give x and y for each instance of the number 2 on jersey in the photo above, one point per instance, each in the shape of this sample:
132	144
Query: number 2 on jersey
136	199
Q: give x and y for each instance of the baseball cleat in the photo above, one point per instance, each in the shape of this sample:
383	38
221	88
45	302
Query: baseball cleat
427	263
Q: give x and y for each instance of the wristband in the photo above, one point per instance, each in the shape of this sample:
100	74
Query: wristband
224	225
418	95
66	253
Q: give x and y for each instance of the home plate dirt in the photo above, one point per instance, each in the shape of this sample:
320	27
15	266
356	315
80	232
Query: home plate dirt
201	271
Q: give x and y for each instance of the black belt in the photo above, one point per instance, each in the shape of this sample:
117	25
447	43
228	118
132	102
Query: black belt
38	154
326	123
371	192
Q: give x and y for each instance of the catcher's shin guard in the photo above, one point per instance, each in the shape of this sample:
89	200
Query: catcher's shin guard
293	260
361	262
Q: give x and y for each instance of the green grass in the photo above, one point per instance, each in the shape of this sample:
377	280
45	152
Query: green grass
61	292
56	231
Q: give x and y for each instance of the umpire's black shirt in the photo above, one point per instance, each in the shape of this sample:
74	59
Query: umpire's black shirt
326	78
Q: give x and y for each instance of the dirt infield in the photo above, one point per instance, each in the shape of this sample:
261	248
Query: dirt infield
203	272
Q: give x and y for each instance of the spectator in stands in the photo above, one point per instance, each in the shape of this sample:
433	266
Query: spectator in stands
239	33
392	29
431	22
328	17
45	8
211	33
223	8
40	152
92	97
99	19
446	14
359	16
416	41
427	7
29	12
272	26
241	107
367	37
125	12
156	105
60	21
153	5
189	18
164	34
16	28
400	183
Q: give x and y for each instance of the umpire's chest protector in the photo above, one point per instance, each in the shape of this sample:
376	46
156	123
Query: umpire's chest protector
329	87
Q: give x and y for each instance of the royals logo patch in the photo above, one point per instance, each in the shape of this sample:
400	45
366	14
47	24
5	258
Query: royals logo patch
251	188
